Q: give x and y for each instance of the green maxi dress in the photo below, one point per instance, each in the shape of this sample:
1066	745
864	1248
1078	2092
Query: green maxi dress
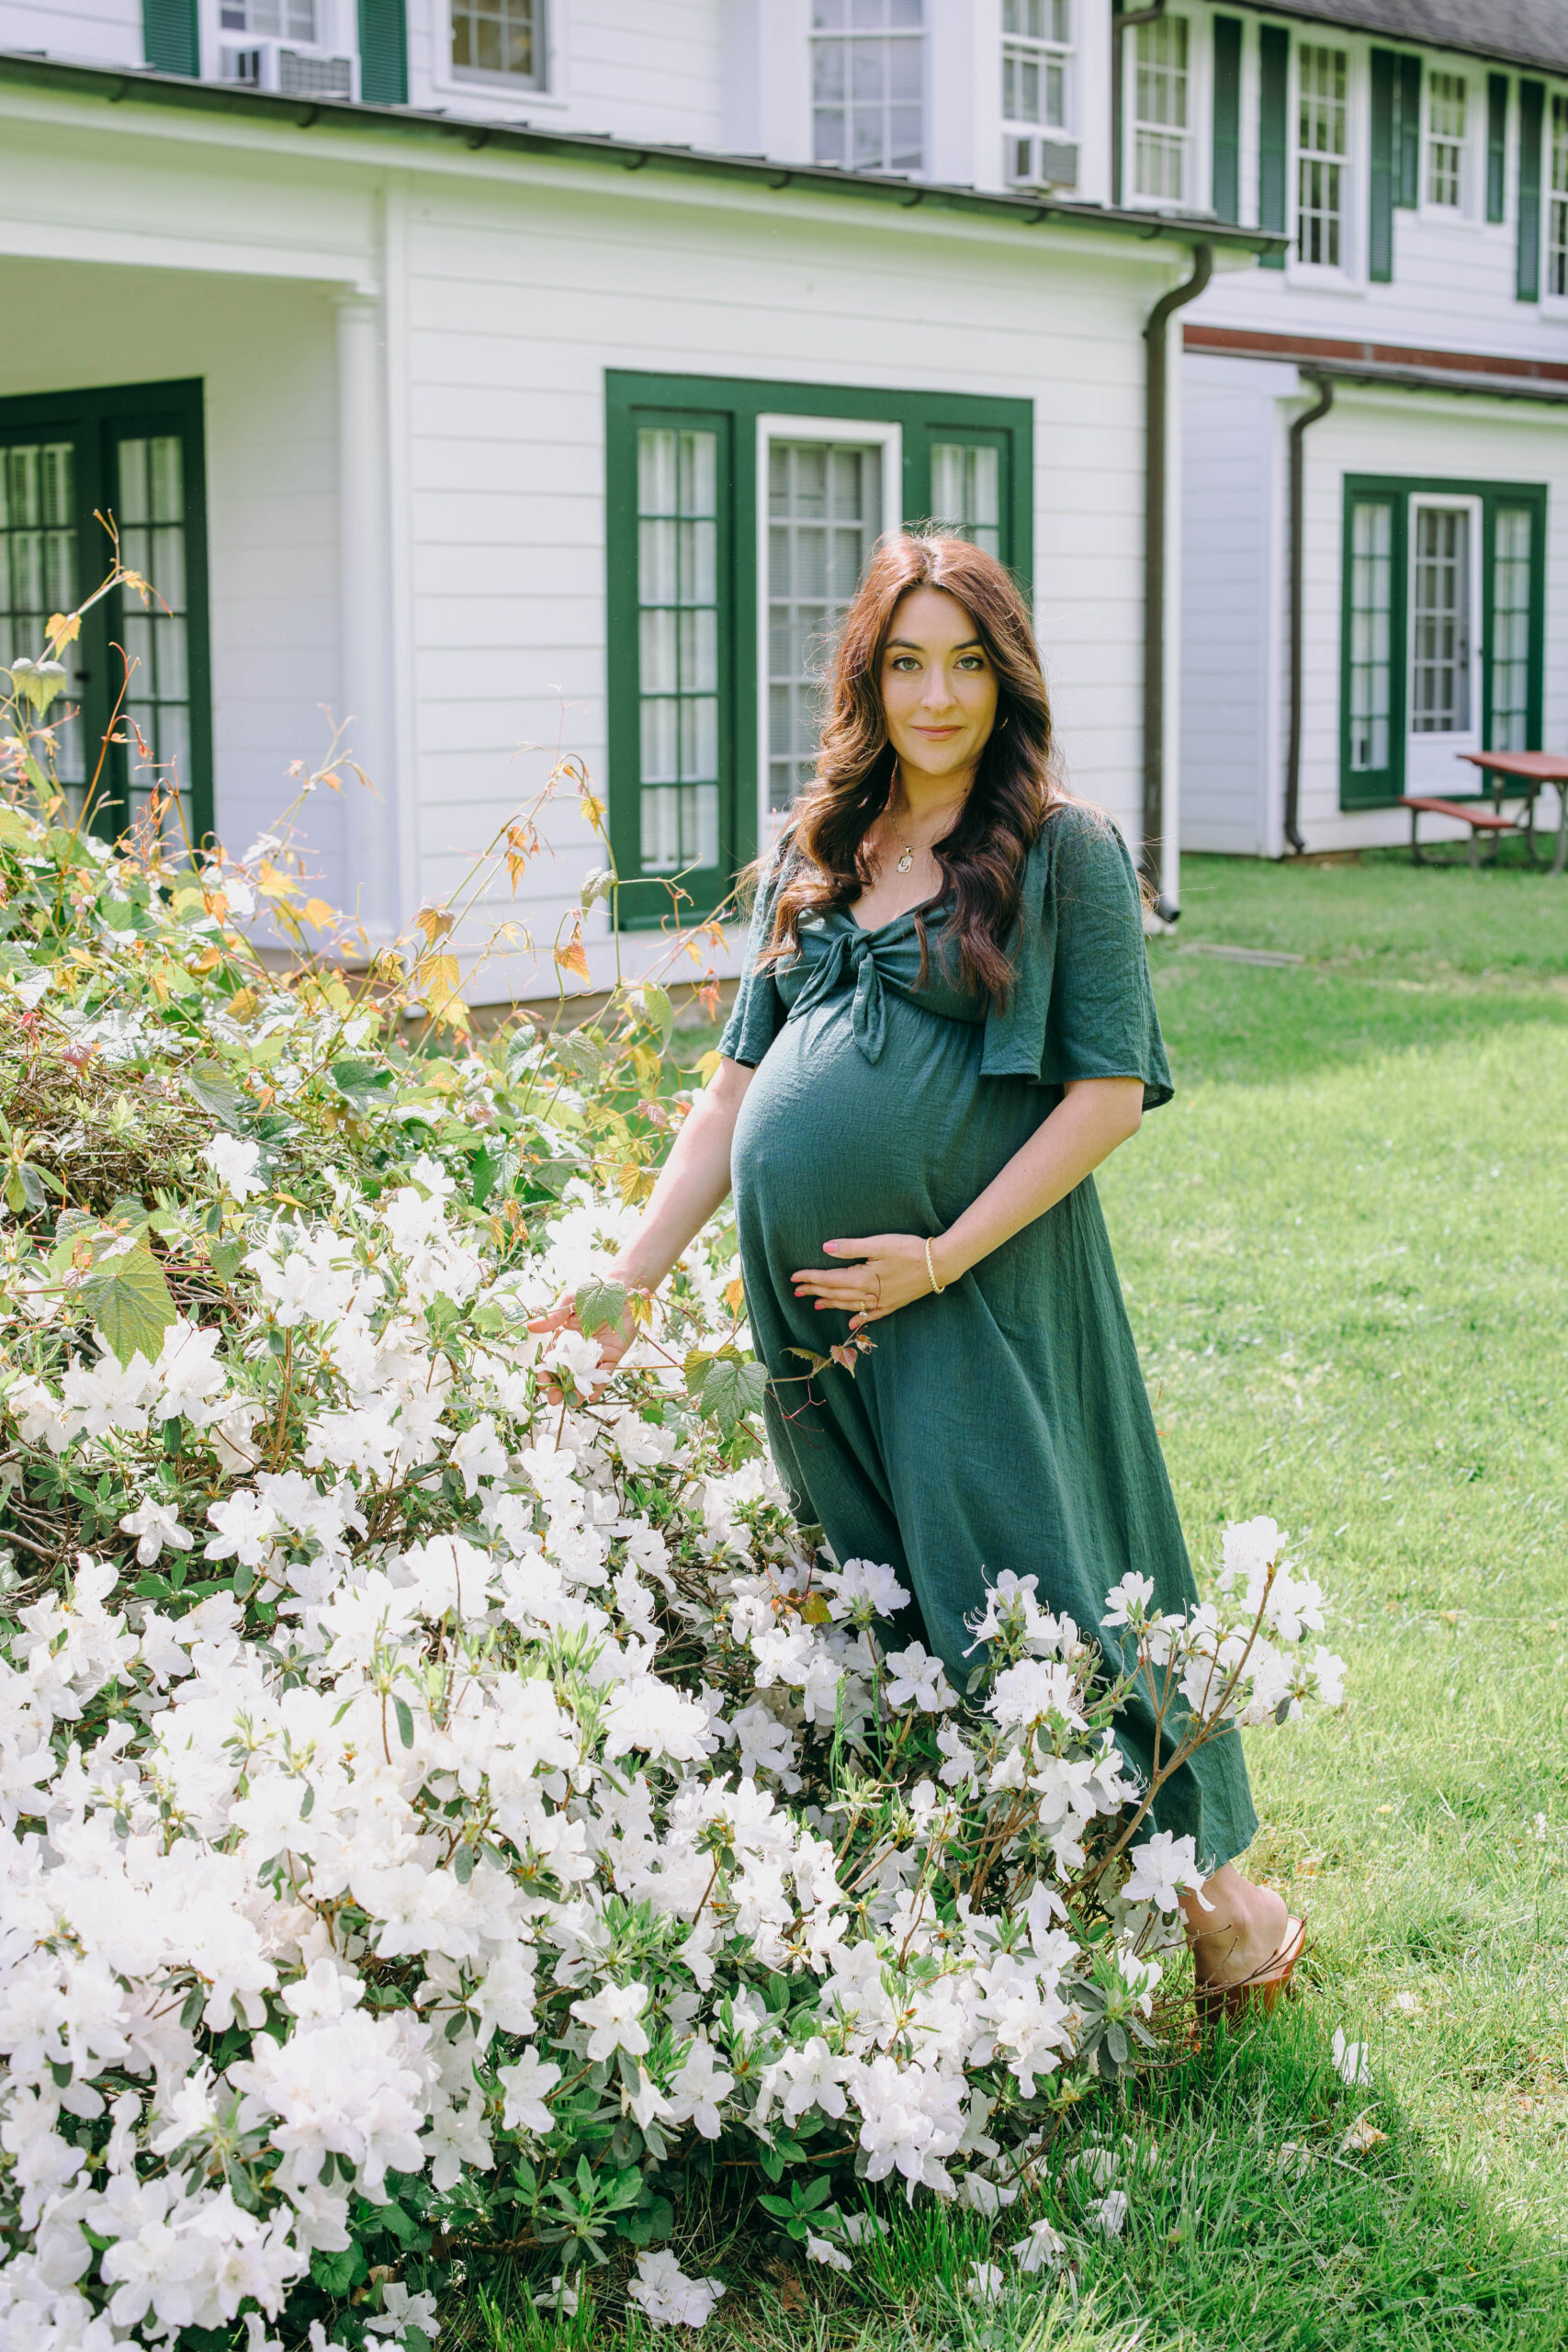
1005	1423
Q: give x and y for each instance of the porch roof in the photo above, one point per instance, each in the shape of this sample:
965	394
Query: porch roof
116	86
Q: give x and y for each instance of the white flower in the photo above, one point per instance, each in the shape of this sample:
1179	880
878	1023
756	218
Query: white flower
916	1680
526	2085
400	2310
1111	2213
1162	1866
612	2016
480	1453
1128	1600
1041	2250
235	1161
700	2088
667	2297
1352	2063
574	1356
985	2281
864	1590
156	1524
246	1529
824	2250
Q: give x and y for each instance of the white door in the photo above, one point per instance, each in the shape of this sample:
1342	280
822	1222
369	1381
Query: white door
1445	644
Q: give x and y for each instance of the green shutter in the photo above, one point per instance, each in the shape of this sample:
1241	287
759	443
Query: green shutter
1227	118
383	52
1379	233
170	36
1532	104
1273	131
1496	145
1371	645
1407	195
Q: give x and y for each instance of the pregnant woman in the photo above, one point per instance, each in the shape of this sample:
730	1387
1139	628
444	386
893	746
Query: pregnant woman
945	1025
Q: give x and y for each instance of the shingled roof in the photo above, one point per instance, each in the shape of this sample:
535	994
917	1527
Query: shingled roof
1516	32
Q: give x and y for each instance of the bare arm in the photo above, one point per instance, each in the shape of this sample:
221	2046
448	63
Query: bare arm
693	1182
1094	1115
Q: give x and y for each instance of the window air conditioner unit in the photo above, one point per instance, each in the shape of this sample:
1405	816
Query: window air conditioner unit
1032	162
293	72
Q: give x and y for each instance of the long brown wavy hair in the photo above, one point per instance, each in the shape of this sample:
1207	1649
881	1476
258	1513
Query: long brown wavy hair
982	858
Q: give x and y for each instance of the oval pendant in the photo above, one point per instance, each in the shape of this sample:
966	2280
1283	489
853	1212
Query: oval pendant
906	861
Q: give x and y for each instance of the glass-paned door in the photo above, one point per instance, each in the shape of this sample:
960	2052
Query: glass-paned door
1371	617
135	718
39	577
678	646
825	514
1445	651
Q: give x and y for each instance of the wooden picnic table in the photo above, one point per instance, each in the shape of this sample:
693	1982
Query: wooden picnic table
1514	775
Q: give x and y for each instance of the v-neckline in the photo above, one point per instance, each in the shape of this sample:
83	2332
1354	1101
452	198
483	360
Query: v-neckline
875	931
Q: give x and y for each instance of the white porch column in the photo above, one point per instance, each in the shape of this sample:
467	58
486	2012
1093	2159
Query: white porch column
365	617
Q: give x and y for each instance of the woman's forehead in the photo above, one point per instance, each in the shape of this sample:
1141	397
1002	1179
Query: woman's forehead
930	616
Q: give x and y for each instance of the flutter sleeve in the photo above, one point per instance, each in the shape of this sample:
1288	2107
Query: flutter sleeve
759	1012
1082	1005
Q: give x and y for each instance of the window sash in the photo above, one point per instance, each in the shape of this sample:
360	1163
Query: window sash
1557	200
868	85
1447	115
500	42
1036	64
1321	148
1161	111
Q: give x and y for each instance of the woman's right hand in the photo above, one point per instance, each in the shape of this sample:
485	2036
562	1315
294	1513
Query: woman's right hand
614	1339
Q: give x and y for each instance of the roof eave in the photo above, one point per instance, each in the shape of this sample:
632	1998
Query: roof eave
117	85
1496	53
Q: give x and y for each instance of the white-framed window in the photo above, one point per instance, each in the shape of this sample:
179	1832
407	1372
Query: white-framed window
1322	148
1557	200
1037	62
1447	110
304	49
499	41
827	488
1162	113
868	79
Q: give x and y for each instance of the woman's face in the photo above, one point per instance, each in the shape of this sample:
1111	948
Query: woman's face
939	689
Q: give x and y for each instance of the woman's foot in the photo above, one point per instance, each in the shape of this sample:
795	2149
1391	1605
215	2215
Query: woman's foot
1244	1942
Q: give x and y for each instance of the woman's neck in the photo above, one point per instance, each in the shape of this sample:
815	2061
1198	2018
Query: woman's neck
919	797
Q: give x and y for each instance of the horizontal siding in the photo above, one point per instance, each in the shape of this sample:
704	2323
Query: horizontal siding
98	32
635	69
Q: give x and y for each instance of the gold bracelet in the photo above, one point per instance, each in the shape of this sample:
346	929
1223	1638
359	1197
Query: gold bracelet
937	1287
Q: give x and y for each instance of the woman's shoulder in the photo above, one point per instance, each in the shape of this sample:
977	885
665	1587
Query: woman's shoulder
1078	847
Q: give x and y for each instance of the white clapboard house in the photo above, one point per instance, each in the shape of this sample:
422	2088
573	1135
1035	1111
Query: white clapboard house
498	375
514	373
1375	509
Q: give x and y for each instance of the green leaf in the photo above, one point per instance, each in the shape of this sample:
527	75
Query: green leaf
486	1168
366	1086
778	2205
404	1715
215	1088
131	1302
227	1257
732	1390
463	1864
339	2273
598	1304
657	1009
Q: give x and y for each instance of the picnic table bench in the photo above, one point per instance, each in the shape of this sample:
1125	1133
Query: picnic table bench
1509	775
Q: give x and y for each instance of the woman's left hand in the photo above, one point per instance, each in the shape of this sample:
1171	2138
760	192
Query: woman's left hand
891	1273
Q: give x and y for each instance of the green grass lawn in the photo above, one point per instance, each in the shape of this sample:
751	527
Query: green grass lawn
1343	1249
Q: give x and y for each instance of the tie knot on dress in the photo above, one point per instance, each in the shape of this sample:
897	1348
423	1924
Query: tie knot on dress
850	960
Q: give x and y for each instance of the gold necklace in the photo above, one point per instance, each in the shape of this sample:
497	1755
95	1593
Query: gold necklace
907	860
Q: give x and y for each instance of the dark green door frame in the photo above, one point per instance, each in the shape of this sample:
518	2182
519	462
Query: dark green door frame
95	421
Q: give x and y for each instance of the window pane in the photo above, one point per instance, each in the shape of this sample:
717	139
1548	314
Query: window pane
1511	630
500	36
824	517
966	492
150	477
38	576
867	83
1371	592
678	682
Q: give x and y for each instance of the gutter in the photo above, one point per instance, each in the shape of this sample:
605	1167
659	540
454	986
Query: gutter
266	109
1308	416
1156	499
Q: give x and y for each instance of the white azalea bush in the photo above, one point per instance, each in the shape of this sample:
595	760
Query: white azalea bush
447	1814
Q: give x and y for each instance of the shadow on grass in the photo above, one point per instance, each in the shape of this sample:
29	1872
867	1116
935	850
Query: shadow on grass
1249	2223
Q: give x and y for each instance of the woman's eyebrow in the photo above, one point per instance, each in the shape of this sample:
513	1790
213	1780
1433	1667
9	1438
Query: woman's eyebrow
912	646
